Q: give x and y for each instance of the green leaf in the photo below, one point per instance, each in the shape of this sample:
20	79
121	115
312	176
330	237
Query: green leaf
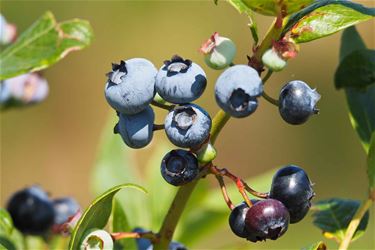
270	7
6	223
371	163
120	223
360	102
97	214
356	70
324	18
334	215
316	246
43	44
213	212
6	244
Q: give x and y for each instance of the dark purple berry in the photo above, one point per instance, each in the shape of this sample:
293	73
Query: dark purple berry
179	167
293	188
266	219
31	211
65	208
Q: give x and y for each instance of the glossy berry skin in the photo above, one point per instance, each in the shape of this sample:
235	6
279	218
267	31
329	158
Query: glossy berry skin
237	219
180	81
136	130
237	89
187	126
266	219
297	102
31	210
65	208
131	85
292	187
179	167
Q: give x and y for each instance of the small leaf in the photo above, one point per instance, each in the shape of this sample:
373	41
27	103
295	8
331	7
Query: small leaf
97	214
360	102
43	44
6	223
271	7
324	18
316	246
371	163
334	215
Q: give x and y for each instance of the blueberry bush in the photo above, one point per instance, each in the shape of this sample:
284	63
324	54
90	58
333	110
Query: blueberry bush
135	87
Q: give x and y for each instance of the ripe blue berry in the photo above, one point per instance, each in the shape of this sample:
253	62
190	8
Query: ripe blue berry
266	219
131	85
65	208
292	187
237	89
297	102
136	130
145	244
179	167
237	220
31	210
180	81
187	126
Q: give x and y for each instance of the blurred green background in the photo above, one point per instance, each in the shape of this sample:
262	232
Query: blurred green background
54	144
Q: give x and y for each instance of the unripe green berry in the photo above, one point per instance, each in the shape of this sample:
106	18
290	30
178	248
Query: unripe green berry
97	239
206	153
273	61
218	51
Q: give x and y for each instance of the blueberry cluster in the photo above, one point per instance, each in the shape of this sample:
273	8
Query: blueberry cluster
288	201
130	89
34	213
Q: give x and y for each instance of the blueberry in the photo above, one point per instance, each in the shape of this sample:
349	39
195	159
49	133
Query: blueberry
237	219
218	51
180	81
297	102
65	208
273	61
174	245
23	90
187	126
266	219
292	187
237	89
136	130
31	210
179	167
131	85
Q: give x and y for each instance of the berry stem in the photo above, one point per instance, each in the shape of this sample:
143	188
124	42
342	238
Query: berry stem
354	223
270	99
267	76
163	106
135	235
218	123
224	192
158	127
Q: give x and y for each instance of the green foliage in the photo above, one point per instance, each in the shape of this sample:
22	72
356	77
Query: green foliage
97	214
43	44
334	215
316	246
323	18
371	163
360	102
120	223
272	7
6	223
